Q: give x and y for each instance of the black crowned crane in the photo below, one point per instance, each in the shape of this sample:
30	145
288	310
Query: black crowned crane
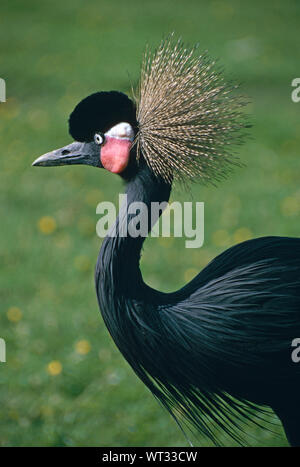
219	349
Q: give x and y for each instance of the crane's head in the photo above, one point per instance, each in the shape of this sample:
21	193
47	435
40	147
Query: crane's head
185	119
103	126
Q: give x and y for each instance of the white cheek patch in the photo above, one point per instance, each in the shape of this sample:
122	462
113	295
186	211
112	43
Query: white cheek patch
122	130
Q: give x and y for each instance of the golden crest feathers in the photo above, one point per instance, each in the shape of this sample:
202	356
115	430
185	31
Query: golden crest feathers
187	114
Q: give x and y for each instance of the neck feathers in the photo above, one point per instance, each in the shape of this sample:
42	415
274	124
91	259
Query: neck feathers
118	272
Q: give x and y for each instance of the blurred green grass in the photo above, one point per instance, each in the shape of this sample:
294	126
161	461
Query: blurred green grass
64	382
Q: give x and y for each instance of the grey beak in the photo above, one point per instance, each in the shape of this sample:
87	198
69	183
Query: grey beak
74	153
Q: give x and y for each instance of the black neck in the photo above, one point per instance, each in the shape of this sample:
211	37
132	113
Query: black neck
118	270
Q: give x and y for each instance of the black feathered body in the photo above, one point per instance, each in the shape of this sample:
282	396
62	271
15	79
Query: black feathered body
222	343
226	333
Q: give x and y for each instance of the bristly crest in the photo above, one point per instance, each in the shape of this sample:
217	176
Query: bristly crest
187	114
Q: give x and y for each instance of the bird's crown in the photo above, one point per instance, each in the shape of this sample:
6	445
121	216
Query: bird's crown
184	114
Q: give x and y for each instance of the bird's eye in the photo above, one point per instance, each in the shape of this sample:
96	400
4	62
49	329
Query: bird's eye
99	138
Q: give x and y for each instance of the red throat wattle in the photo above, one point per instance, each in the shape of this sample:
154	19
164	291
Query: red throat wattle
115	154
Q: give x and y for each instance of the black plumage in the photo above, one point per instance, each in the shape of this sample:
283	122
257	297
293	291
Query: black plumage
226	333
100	111
217	351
